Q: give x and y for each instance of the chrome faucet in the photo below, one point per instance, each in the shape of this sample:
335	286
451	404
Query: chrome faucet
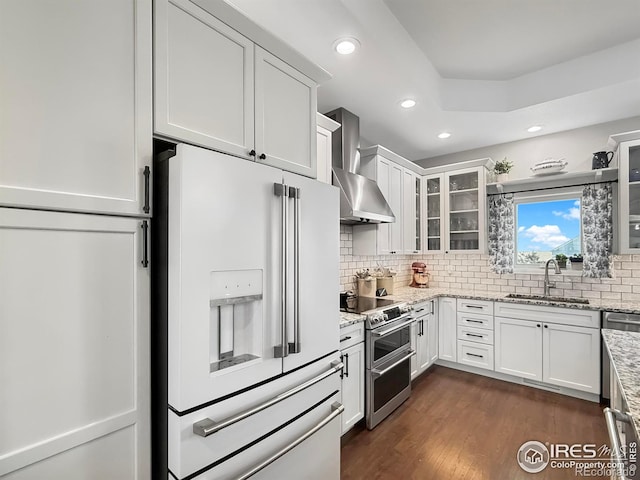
547	284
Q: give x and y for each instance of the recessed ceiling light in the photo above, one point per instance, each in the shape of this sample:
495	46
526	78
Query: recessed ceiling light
534	128
444	135
346	46
408	103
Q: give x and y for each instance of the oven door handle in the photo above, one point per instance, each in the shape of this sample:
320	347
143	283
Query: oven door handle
382	333
378	373
612	415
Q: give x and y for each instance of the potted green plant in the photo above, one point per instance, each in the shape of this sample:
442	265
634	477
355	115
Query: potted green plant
576	258
561	258
502	169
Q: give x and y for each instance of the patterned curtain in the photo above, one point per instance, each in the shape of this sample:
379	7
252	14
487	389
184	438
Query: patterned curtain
597	230
501	233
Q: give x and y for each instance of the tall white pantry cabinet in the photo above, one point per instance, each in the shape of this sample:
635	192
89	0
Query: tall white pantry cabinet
75	158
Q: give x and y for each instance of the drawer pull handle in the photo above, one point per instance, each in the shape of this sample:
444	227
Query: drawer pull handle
345	339
479	307
474	335
475	355
336	410
206	427
470	320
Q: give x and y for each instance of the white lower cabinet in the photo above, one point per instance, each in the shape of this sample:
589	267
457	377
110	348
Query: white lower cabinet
352	354
563	355
425	338
74	346
447	332
518	348
571	357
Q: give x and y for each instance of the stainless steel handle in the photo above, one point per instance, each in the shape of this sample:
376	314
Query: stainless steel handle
610	416
294	193
206	427
382	333
336	410
625	322
433	307
378	373
281	351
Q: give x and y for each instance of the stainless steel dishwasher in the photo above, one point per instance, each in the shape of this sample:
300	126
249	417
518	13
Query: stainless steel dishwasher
615	321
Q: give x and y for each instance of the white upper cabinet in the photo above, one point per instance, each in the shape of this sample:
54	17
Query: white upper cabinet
455	209
629	155
217	88
324	142
204	78
75	90
402	189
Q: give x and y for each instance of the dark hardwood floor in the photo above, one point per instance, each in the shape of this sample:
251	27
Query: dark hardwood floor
462	426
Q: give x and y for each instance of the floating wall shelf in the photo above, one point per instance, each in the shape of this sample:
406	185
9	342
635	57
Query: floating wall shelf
559	180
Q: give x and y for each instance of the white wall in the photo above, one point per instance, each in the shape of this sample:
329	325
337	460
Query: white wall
576	146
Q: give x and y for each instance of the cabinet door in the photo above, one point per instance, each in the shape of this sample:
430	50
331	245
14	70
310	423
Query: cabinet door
423	343
323	147
74	330
629	154
465	209
75	121
395	199
571	357
383	178
518	347
409	212
285	116
434	208
204	79
432	339
447	340
353	386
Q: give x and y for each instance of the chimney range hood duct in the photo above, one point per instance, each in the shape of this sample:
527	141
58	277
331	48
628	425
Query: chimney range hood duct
361	200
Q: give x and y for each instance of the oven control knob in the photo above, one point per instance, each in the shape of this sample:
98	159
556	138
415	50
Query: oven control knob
405	308
377	317
385	317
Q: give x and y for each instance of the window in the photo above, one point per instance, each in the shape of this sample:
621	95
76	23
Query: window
547	225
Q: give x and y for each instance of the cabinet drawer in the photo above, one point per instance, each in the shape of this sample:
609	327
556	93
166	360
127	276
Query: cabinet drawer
351	335
541	313
484	307
475	321
423	308
476	335
475	354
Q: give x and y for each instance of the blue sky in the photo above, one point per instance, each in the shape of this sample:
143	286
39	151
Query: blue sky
542	226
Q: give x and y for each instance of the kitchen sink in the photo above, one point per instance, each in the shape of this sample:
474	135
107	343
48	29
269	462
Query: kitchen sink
583	301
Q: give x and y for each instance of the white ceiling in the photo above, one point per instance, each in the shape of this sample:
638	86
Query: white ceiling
483	70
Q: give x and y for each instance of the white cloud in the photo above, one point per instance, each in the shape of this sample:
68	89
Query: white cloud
572	214
548	236
521	229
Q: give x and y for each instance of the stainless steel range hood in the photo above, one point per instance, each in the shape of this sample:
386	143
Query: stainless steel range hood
361	200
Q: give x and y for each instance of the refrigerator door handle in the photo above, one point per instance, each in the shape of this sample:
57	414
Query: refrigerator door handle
336	410
281	350
294	193
207	427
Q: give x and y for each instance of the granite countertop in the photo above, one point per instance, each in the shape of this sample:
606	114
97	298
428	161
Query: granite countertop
415	295
623	350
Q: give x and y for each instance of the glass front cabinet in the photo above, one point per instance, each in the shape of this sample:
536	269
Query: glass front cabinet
455	211
629	180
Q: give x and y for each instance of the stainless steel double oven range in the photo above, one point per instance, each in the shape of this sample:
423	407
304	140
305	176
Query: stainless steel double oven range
388	356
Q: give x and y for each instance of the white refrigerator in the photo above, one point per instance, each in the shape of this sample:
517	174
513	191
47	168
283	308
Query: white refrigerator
245	314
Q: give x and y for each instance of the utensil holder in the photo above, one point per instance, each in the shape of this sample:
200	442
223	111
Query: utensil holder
367	287
386	283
